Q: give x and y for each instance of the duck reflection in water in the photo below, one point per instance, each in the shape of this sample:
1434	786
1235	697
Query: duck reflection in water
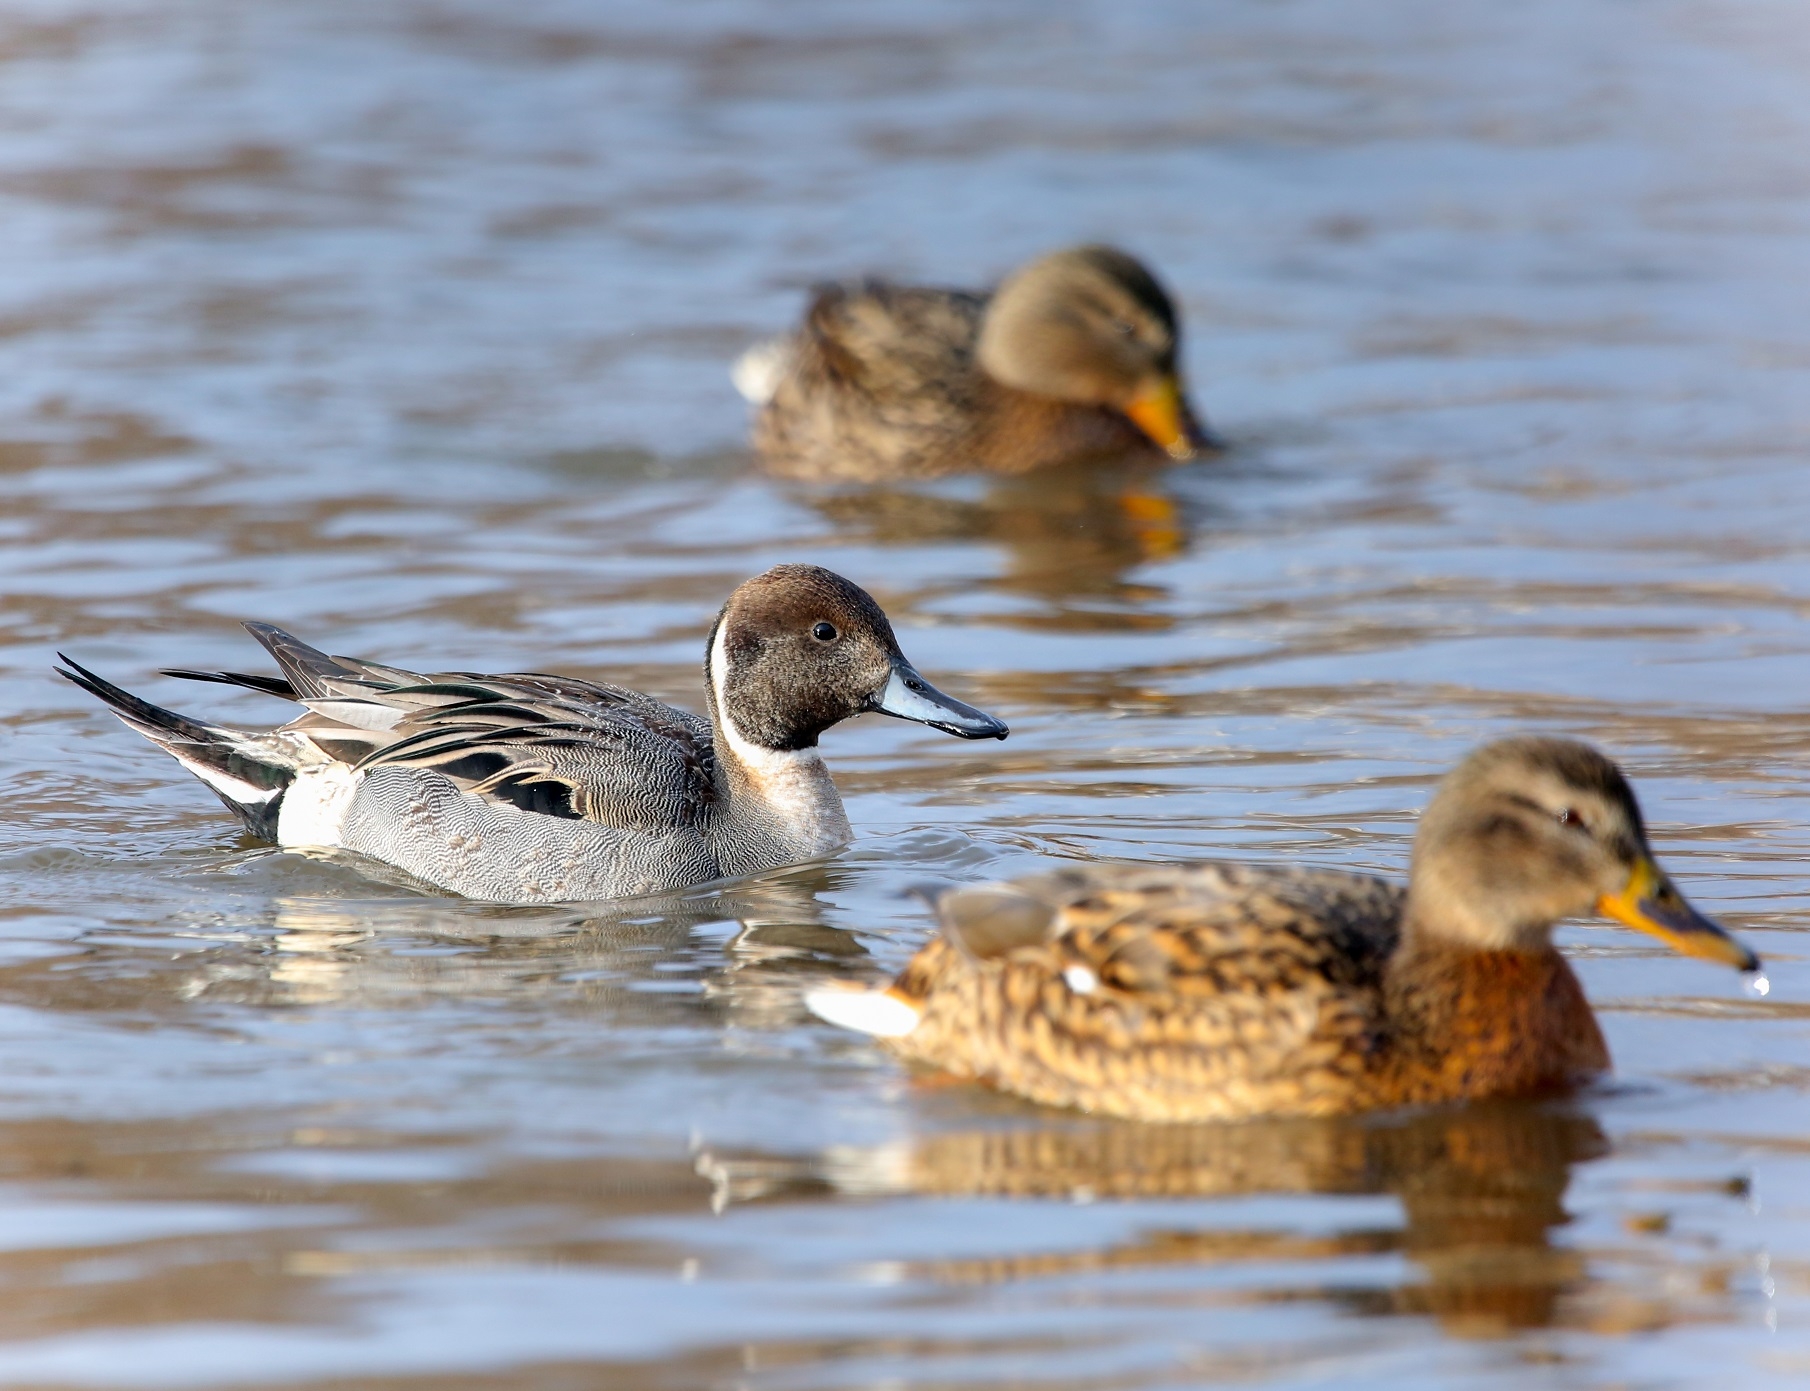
1065	533
600	955
1481	1189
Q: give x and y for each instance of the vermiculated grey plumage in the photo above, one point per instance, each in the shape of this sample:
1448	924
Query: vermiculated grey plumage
527	787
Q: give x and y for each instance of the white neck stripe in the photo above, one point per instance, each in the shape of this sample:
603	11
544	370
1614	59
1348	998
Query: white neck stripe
756	757
788	788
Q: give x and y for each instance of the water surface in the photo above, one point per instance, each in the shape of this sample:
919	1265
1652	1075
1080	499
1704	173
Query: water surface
407	326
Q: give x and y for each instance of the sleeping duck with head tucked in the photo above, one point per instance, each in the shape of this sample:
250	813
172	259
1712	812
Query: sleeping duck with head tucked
1073	358
531	788
1222	992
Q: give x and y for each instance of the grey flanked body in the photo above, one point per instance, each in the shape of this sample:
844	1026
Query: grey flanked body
424	823
532	788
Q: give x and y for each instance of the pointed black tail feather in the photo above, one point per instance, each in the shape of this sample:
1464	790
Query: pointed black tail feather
248	781
153	721
265	685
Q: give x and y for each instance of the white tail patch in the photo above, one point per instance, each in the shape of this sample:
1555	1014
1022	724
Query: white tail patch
314	811
877	1012
757	372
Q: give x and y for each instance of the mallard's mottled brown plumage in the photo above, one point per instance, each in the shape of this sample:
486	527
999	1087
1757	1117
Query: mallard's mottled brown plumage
1220	992
1073	358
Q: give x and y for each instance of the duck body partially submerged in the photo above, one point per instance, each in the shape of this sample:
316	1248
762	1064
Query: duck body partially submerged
1226	992
1073	358
536	788
1230	991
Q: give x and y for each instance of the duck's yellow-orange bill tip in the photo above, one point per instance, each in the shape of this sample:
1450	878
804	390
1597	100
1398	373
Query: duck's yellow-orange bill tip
1161	412
1651	904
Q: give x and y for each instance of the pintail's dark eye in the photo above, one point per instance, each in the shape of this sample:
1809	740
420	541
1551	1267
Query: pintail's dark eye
1568	817
825	632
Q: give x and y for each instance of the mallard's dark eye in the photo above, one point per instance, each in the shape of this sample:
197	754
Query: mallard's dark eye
825	632
1124	328
1568	817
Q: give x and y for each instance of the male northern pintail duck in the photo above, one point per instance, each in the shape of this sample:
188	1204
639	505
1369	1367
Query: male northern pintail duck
1072	358
1219	992
532	788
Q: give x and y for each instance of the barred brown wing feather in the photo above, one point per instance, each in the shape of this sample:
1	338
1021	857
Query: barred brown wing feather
1165	991
899	344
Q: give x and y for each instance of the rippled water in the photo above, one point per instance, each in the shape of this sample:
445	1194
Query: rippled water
407	326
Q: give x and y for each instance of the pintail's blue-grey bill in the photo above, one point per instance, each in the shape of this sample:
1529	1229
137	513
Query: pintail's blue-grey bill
909	696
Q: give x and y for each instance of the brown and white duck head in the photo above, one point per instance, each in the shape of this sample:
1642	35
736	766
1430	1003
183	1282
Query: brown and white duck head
1092	326
1529	831
799	649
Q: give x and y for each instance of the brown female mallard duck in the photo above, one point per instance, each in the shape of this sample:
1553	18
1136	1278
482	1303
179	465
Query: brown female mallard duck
1072	358
1221	992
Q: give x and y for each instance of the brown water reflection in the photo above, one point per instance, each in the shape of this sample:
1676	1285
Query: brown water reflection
1481	1191
1481	1197
1064	535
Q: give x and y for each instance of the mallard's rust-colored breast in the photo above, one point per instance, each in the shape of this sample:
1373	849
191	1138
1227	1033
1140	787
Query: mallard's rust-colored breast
1466	1024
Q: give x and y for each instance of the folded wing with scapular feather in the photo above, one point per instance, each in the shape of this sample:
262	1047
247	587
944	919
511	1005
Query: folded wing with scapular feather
553	745
1199	992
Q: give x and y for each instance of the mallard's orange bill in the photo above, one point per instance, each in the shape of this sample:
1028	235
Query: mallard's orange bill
1162	412
1653	905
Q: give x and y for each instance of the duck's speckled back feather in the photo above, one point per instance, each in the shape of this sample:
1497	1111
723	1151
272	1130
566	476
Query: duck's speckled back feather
881	380
882	383
1190	992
